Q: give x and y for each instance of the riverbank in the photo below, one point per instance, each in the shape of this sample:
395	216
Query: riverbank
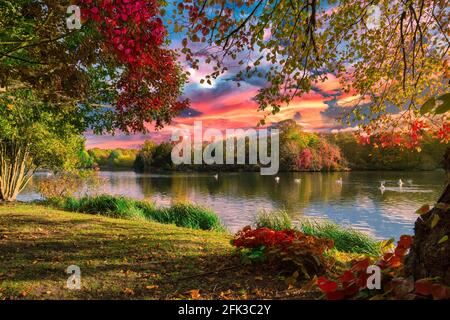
124	259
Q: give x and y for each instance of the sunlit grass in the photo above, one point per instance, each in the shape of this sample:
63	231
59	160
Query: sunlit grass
275	220
182	214
345	239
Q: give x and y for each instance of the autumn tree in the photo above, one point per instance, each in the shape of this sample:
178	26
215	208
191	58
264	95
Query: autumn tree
391	58
115	72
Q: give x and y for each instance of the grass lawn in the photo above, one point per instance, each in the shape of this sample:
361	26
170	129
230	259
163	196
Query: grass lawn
123	259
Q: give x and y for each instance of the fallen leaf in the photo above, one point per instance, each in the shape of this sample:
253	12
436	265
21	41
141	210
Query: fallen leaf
153	286
128	291
195	294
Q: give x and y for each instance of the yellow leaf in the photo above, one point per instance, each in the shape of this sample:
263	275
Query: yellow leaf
443	239
435	221
423	209
387	245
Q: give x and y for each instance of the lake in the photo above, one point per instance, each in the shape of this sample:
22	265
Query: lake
237	197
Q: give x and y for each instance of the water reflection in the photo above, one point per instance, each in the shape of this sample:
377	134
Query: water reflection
355	200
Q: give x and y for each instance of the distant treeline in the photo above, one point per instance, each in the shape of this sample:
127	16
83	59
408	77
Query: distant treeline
299	151
369	157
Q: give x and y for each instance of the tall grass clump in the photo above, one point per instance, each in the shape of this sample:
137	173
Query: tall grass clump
276	220
107	205
187	215
345	239
183	214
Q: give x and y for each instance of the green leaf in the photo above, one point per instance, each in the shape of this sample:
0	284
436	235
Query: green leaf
445	106
435	221
443	239
428	106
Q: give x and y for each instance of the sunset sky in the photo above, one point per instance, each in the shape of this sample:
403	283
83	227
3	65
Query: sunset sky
224	105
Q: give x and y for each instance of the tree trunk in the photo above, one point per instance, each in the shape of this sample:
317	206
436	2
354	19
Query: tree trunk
14	171
430	253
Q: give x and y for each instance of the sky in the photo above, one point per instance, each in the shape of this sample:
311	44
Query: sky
223	105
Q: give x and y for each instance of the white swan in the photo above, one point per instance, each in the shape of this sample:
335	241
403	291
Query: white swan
216	176
277	179
339	181
400	183
297	180
382	187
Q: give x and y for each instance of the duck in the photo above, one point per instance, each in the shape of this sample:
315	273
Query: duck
216	176
400	183
382	187
297	180
339	181
277	179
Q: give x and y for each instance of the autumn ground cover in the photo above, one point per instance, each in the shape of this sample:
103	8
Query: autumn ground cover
126	259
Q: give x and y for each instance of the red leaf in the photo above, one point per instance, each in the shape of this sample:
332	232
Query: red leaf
440	292
347	278
361	265
326	285
423	287
405	241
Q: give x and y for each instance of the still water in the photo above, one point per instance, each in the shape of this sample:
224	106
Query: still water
237	197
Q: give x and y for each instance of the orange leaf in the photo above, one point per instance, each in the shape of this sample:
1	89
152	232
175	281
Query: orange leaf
423	209
153	286
195	294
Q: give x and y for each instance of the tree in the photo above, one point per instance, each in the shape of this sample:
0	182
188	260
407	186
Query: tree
117	65
144	159
391	66
116	72
30	140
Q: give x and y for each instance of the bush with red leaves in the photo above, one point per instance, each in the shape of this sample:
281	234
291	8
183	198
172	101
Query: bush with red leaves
352	283
288	250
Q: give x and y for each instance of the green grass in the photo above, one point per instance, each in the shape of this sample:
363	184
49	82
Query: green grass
345	239
276	220
122	259
182	214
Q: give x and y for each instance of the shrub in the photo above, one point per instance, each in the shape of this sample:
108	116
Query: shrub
275	220
352	283
66	184
288	250
345	239
182	215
